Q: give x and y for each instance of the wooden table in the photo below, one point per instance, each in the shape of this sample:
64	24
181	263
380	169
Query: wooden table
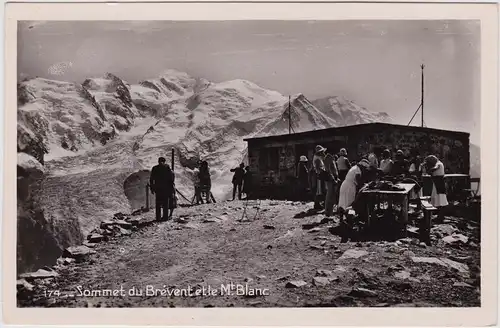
376	197
456	184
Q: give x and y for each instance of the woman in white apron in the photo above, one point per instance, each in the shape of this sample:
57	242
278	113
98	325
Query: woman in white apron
351	184
436	169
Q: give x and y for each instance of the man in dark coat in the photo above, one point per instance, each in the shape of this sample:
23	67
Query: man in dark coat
161	182
238	179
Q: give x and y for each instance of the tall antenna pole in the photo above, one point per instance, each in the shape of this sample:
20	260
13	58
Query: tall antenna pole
172	159
289	116
422	99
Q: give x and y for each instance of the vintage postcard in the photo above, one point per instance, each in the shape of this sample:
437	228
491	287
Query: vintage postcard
250	164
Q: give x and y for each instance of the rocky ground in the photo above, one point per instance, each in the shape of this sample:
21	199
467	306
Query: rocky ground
263	254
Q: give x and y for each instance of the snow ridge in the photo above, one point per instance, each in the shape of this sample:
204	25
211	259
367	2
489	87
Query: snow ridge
105	129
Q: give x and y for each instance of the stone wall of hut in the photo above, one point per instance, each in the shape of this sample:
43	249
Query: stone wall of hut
274	162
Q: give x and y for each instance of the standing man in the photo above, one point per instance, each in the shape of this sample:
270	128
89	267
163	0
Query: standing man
331	184
161	183
238	180
321	176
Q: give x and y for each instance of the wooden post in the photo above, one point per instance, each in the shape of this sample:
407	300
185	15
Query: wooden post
422	101
172	159
289	116
147	195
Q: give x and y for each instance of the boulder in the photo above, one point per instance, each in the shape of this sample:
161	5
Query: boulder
460	267
95	238
89	244
124	232
40	274
442	230
455	239
402	274
322	281
295	284
68	260
270	227
119	216
462	284
353	254
24	286
123	224
362	292
78	252
30	165
324	273
182	219
106	223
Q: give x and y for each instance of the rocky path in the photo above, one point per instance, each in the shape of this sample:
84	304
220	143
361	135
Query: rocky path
238	254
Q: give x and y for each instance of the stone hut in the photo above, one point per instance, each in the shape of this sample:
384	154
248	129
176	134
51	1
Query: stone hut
274	158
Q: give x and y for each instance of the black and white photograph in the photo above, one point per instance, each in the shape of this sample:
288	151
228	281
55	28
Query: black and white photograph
249	164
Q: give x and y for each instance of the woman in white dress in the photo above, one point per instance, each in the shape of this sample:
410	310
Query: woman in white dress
351	184
435	168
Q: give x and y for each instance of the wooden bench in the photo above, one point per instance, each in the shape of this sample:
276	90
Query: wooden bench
425	226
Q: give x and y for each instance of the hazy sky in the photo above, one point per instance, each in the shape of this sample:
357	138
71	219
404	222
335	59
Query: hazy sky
374	63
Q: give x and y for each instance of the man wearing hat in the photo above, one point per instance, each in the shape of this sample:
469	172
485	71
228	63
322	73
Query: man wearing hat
303	178
161	183
319	169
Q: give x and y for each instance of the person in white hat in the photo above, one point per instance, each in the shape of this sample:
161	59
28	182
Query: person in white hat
303	178
319	166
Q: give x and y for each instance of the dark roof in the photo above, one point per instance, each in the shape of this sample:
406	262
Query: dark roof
348	128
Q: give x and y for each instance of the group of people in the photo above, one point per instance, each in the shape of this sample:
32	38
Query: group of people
335	181
332	178
242	181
